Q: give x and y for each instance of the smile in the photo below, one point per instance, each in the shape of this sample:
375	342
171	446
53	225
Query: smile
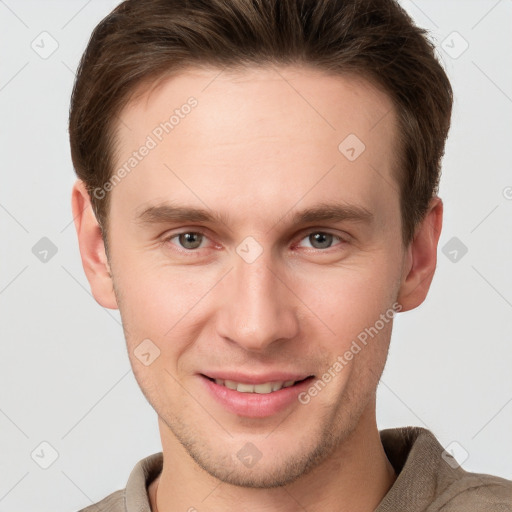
264	388
258	399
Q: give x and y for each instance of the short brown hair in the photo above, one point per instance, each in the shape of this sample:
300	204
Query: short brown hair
143	40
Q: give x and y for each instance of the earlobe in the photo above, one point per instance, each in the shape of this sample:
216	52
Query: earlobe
92	247
421	258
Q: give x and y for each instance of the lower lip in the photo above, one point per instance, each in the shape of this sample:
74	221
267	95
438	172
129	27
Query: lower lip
255	405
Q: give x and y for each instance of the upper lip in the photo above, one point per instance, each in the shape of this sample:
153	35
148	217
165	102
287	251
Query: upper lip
256	378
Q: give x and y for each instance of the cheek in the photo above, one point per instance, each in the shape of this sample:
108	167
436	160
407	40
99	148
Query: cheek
351	297
157	310
164	305
155	298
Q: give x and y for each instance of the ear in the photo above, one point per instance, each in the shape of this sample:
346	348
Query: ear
92	247
421	258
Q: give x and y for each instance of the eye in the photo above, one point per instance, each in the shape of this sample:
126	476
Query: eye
189	240
321	239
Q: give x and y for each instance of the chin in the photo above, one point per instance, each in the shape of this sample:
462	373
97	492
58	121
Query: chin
263	478
273	469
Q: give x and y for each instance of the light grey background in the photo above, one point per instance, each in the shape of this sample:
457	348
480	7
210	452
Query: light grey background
65	377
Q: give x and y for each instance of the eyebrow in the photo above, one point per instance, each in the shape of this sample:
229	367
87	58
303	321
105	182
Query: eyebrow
324	212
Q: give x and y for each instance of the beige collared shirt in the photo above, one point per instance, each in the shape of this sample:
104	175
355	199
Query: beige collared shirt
428	480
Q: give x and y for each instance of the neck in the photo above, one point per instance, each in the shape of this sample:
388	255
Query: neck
355	478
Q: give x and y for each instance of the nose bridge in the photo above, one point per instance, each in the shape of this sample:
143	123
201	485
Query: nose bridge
258	308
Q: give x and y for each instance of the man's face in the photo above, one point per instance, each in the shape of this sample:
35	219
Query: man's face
260	295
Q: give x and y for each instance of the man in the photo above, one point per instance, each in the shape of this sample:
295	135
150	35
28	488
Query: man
257	195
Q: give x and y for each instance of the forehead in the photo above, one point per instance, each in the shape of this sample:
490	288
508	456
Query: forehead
271	95
256	134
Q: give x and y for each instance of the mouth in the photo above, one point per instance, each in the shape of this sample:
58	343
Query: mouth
261	388
264	397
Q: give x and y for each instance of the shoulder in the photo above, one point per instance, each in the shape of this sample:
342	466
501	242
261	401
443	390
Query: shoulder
134	497
112	503
476	492
429	478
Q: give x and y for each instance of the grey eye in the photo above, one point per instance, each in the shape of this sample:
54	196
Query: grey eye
321	240
190	240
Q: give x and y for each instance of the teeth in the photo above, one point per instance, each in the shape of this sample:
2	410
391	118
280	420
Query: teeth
230	384
266	387
263	388
245	388
276	386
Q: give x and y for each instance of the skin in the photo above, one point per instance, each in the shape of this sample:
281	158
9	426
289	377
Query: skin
261	144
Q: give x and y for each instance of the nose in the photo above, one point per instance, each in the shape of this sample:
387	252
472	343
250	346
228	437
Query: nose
257	307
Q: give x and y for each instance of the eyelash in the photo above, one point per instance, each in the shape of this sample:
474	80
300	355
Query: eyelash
168	239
